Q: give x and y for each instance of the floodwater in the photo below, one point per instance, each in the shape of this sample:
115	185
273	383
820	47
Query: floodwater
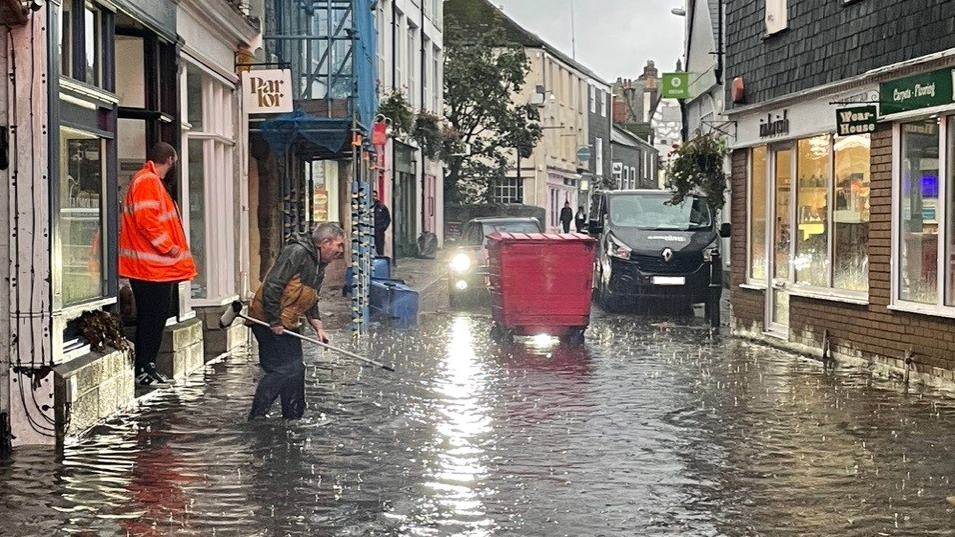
648	429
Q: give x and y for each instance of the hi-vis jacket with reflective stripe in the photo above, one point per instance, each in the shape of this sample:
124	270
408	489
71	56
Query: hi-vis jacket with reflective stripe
149	229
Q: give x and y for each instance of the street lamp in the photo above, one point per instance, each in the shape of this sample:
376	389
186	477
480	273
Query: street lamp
678	11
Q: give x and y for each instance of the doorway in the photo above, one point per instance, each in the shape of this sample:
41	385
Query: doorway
781	172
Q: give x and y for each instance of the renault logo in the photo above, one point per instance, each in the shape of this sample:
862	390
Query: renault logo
667	254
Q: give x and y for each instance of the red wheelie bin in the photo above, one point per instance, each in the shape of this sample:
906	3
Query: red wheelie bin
540	284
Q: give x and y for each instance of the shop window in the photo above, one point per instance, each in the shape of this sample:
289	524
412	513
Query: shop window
197	223
757	215
66	39
811	260
131	86
81	246
81	43
92	41
850	214
918	221
209	169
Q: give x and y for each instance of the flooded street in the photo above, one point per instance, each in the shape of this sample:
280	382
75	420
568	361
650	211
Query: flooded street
649	429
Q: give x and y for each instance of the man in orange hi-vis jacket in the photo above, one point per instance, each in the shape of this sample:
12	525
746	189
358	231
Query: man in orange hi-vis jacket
153	254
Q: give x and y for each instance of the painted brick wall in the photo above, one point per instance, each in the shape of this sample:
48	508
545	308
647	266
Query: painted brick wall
827	41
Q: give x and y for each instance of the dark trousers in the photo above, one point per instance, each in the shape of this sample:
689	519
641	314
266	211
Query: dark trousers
380	242
153	304
281	359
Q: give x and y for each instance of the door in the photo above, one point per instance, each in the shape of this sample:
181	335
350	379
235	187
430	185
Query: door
780	237
403	216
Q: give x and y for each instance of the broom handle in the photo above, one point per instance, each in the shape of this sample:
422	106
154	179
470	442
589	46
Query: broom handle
322	344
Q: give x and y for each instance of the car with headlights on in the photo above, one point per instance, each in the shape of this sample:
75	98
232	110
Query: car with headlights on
469	261
652	249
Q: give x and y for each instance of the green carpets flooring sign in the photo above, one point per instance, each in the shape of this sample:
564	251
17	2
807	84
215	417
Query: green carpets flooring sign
675	86
915	92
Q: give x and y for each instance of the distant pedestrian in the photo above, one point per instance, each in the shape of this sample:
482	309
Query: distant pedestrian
153	254
580	219
382	221
566	217
290	290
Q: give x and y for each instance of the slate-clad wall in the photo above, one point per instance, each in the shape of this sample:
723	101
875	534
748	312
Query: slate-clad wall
828	41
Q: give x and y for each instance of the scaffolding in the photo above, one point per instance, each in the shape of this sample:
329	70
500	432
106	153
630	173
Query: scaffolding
329	47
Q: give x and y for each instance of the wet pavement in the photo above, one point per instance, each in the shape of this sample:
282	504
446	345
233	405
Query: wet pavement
650	428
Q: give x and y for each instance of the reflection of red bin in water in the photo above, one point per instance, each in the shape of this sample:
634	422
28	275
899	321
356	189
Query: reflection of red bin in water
540	284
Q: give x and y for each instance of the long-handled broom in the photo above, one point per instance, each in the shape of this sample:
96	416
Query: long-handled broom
235	310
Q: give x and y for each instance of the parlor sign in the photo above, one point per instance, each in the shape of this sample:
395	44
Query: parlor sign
268	91
924	90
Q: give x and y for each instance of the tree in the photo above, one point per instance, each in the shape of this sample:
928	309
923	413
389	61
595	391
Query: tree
482	74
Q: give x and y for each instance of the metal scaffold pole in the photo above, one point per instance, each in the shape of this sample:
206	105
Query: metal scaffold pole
361	243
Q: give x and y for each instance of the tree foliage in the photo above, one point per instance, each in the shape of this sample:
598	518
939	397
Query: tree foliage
697	168
481	78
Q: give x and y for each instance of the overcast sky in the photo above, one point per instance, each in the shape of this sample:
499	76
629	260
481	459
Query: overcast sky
615	38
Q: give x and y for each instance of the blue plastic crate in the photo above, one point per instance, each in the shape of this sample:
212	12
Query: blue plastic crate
394	302
380	269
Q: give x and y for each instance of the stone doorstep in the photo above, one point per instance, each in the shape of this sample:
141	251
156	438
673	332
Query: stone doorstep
181	335
182	361
91	388
217	342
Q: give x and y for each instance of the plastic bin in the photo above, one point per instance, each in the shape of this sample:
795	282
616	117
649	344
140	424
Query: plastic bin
540	284
380	269
394	302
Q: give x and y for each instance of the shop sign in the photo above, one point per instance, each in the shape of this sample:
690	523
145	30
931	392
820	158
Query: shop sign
774	126
856	120
675	86
268	91
923	90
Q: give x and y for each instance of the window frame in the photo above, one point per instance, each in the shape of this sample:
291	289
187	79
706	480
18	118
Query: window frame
829	291
773	9
217	138
946	160
503	185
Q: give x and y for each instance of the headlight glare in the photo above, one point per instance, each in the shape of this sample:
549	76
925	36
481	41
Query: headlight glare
461	262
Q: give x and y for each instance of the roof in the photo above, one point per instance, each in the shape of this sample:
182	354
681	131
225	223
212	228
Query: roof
692	7
622	136
481	15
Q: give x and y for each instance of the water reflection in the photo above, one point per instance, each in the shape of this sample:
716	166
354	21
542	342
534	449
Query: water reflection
647	429
461	426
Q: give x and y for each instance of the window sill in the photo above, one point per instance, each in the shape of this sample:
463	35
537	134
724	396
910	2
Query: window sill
753	286
833	296
922	309
73	311
777	33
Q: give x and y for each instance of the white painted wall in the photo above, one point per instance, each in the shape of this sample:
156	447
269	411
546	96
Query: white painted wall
410	38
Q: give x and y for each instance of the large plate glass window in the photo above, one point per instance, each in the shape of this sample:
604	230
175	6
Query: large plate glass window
757	215
811	261
81	216
850	214
918	218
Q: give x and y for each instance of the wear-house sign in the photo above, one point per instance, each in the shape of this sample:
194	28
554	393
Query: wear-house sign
268	91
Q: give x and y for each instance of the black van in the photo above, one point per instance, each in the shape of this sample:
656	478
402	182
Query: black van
651	249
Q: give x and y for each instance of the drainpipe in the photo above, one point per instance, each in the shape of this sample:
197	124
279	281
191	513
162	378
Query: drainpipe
394	172
424	190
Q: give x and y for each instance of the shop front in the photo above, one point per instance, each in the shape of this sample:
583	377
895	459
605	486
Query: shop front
805	218
845	240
